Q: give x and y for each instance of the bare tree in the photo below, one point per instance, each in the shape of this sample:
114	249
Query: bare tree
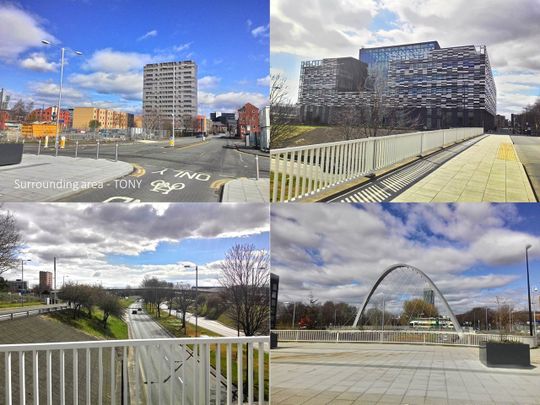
110	305
10	242
282	111
151	121
183	299
156	292
246	278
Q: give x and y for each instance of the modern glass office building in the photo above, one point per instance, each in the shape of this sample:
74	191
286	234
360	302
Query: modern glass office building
442	87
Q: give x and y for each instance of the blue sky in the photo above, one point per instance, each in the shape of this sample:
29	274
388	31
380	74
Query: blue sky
116	244
336	28
473	252
229	42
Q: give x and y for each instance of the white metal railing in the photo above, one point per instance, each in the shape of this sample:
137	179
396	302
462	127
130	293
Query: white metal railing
304	170
394	336
21	311
159	371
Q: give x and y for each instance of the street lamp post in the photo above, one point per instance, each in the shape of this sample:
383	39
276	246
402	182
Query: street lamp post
22	279
63	49
529	288
196	297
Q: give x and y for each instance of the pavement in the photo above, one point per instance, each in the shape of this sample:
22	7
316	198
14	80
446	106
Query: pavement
528	151
246	190
326	373
488	171
214	326
192	171
49	178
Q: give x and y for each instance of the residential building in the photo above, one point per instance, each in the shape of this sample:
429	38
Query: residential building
229	121
138	121
440	87
45	281
170	88
4	117
17	285
108	119
248	120
200	125
49	115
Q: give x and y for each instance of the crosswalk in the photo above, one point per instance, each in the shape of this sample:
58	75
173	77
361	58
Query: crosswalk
389	186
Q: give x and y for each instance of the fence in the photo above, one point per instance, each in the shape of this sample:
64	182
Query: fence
394	336
21	312
189	371
301	171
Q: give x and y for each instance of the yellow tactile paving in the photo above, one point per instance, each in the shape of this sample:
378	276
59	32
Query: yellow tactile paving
488	171
506	152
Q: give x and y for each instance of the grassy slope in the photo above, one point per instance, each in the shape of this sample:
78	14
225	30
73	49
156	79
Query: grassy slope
172	324
116	327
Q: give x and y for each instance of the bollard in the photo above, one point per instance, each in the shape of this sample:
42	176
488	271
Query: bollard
76	148
17	139
39	147
116	153
97	150
257	165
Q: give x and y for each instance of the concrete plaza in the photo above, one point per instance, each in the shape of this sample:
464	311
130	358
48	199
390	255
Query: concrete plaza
490	171
344	373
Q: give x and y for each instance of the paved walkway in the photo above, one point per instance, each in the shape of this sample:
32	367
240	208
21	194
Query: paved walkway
488	171
49	178
246	190
326	373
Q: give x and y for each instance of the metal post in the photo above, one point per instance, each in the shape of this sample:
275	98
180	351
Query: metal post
97	150
22	282
39	147
116	152
59	102
196	300
529	288
76	148
257	165
293	313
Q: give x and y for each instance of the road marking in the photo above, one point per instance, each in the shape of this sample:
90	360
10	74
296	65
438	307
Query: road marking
218	183
164	187
139	170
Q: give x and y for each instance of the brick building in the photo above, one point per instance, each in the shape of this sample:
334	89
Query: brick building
248	120
49	115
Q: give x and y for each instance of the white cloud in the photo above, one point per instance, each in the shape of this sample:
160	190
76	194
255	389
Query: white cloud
19	31
51	90
338	251
183	47
89	234
264	81
38	61
208	82
110	61
149	34
230	100
262	31
126	84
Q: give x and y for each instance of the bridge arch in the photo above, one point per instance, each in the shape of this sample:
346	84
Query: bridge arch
424	276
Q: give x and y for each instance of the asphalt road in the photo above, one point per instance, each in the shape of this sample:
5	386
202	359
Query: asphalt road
528	150
192	171
155	363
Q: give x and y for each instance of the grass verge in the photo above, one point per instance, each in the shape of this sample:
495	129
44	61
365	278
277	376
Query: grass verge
116	327
172	324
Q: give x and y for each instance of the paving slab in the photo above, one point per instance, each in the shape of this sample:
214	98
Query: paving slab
49	178
306	373
247	190
489	171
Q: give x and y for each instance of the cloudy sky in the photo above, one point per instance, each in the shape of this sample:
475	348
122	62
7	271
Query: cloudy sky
118	244
315	29
229	43
472	252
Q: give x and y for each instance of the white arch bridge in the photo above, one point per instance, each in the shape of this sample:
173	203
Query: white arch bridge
405	336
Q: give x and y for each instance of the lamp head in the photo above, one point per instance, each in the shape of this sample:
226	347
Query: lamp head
44	41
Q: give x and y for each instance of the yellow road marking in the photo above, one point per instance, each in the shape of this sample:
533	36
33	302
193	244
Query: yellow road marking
139	170
191	145
218	183
506	152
